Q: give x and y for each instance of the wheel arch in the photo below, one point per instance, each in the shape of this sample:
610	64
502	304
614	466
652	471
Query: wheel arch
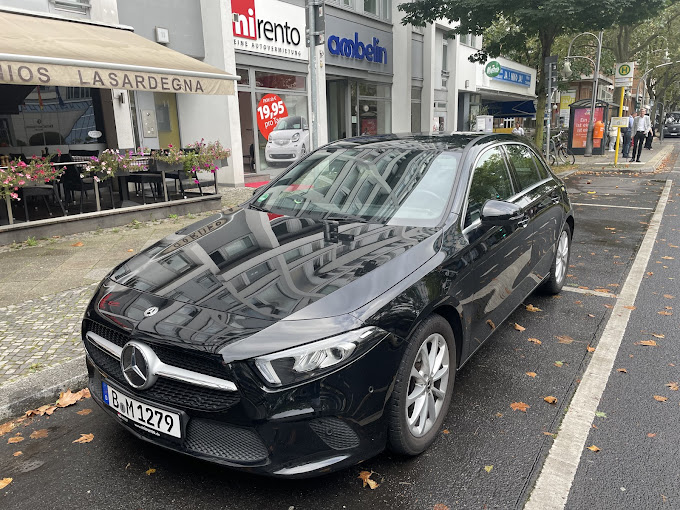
452	316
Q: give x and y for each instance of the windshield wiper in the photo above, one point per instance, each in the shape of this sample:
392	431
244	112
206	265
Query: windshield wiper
257	207
346	218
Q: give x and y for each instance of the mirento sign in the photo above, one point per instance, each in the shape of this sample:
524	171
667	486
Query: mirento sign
269	27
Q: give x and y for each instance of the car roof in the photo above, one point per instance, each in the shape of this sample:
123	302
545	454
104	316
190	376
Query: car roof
424	141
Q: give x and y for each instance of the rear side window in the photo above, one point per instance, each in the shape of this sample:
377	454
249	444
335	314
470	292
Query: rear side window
523	162
540	164
490	181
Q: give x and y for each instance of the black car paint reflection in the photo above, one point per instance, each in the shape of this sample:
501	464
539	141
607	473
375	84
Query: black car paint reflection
246	283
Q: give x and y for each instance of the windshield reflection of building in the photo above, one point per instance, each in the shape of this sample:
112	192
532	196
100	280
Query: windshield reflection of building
269	270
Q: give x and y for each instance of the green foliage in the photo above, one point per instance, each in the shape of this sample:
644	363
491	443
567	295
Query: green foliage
31	241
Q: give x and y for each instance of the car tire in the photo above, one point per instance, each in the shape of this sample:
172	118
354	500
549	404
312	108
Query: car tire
408	432
558	270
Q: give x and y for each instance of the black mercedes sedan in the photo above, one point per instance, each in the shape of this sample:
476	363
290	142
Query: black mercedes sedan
324	320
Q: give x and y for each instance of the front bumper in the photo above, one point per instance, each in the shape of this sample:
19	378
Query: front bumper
282	153
318	427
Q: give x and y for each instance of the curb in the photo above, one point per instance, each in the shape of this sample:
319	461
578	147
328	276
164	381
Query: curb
44	387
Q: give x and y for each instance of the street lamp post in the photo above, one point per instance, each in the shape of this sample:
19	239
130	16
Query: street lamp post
596	75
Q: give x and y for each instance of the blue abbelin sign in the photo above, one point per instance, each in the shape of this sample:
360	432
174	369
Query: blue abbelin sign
356	49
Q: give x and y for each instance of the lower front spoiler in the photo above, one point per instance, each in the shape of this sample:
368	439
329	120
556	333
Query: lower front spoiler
244	449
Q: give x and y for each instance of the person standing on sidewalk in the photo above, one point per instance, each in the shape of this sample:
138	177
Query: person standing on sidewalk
628	135
641	126
650	135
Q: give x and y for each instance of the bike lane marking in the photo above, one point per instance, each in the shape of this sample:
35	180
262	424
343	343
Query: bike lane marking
556	477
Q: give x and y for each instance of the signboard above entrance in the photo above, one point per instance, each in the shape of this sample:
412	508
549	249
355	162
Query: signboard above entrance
511	75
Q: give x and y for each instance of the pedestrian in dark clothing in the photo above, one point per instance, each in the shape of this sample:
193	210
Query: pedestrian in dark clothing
641	127
628	134
650	136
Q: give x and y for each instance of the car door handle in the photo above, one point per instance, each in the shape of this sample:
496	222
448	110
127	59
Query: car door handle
523	222
555	199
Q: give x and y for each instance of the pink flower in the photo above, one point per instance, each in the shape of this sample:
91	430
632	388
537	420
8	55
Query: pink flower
14	196
170	146
196	181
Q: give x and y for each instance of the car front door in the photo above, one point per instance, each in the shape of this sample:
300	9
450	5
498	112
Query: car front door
541	196
500	256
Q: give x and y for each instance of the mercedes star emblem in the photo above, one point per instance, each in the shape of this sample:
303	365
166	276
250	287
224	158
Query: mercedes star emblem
137	362
151	311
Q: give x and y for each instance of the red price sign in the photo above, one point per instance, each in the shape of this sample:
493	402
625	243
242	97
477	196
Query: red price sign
270	110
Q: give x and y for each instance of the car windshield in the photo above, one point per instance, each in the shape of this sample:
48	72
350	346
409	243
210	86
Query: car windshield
673	118
289	123
397	185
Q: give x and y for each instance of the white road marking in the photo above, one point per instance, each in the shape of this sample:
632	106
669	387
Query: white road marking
617	206
590	292
554	482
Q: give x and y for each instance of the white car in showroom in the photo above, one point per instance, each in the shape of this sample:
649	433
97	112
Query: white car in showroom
288	142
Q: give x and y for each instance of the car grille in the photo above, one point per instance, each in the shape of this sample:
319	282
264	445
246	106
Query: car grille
281	156
166	391
224	441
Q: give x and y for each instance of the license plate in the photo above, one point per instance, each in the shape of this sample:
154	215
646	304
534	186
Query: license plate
143	416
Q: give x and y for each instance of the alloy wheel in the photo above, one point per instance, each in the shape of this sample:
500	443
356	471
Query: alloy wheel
562	256
428	384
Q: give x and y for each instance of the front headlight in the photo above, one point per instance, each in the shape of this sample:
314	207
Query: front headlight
295	138
317	358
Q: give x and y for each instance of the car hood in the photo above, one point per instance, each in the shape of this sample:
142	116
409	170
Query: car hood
271	267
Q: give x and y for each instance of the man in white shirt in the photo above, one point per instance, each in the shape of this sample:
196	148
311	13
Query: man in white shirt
519	130
641	126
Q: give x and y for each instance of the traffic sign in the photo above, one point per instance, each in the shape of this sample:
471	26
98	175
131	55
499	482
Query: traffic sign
619	122
624	74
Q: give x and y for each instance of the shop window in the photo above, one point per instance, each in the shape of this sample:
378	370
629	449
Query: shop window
279	81
245	77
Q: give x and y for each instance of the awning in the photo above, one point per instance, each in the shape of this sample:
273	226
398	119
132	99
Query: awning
39	50
512	108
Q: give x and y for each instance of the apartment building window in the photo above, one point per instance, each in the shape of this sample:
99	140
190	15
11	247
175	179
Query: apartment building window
445	55
77	6
466	39
416	109
379	8
371	7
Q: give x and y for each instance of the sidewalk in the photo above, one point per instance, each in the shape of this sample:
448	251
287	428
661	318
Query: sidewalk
651	160
45	286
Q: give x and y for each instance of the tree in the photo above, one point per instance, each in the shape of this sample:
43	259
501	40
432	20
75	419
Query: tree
524	20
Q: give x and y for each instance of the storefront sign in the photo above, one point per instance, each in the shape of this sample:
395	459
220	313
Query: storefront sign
269	27
76	76
580	134
492	69
566	98
513	76
354	48
270	110
358	47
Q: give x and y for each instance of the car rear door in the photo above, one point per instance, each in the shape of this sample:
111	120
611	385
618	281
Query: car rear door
541	195
500	256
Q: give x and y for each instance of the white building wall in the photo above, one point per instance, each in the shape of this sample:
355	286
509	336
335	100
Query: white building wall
401	81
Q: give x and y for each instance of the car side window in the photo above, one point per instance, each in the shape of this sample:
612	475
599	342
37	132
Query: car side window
540	164
521	158
490	181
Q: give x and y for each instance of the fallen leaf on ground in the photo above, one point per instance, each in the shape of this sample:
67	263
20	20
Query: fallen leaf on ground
67	398
590	349
649	273
558	363
38	434
520	406
673	386
78	244
535	341
665	312
446	431
46	409
602	290
84	438
4	482
488	468
668	296
648	343
7	427
659	398
564	339
622	370
15	439
600	414
130	250
583	288
366	478
577	302
656	335
17	454
550	399
651	434
440	506
84	412
519	328
590	315
150	471
628	307
609	306
532	308
666	257
593	448
531	374
491	324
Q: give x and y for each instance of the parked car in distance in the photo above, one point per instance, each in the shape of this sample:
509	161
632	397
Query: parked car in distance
672	125
324	320
288	142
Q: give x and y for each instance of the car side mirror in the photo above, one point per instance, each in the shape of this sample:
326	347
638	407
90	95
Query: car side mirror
498	212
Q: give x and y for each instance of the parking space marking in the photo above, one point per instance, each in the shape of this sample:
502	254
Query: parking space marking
554	482
590	292
617	206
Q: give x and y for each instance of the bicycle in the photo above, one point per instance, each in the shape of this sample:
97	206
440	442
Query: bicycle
559	152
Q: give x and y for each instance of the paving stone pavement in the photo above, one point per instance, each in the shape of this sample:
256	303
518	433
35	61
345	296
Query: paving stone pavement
45	288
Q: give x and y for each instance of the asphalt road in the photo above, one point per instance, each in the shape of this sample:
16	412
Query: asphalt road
488	456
